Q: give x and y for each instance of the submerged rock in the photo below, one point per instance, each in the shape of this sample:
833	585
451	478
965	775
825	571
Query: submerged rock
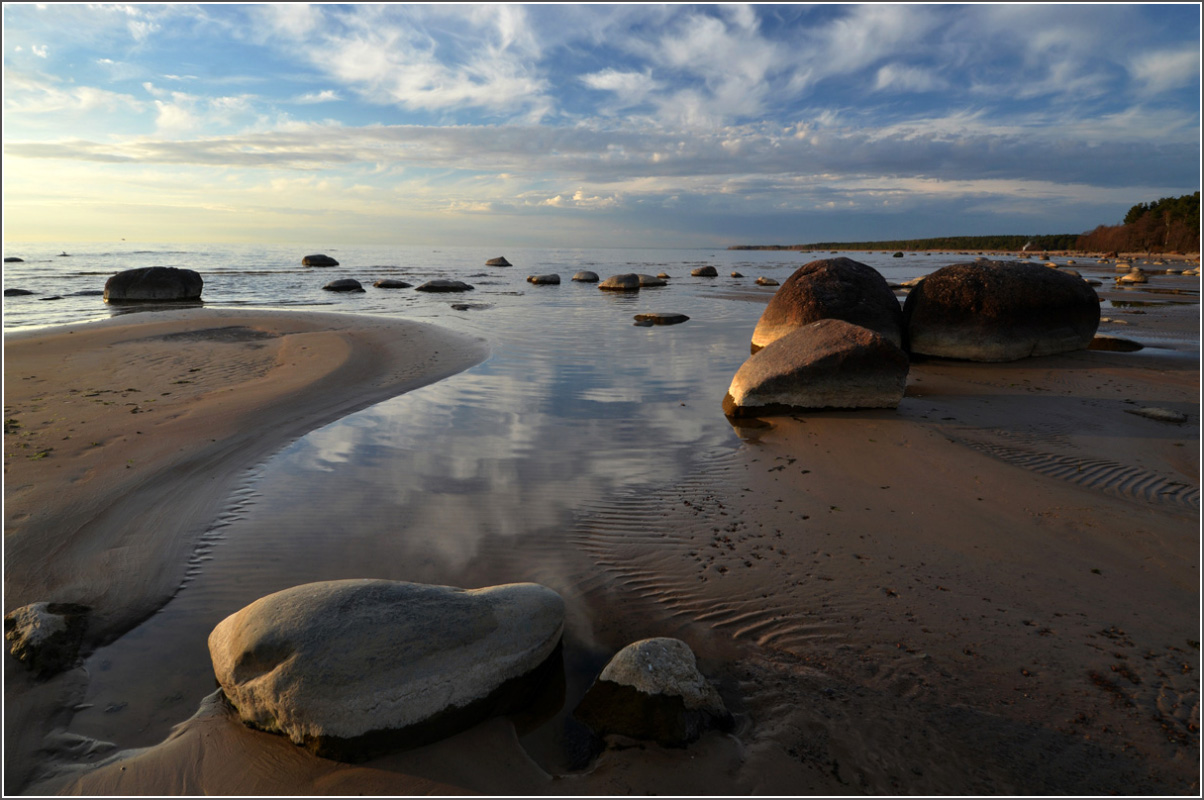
550	280
827	364
391	283
657	318
1000	311
16	292
344	285
46	636
150	284
650	281
319	260
444	286
652	689
766	282
831	288
351	668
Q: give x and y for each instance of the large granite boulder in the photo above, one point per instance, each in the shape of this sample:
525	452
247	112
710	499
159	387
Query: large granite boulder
628	282
441	285
999	311
46	636
153	284
351	668
319	260
652	689
344	285
831	288
827	364
500	261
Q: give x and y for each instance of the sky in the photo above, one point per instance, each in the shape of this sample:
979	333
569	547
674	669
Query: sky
592	125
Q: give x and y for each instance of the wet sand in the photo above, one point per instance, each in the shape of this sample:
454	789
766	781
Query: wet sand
992	590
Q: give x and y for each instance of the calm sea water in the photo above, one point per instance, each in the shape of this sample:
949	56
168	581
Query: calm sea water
478	479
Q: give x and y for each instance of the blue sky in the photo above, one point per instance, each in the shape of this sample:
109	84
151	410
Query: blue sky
592	125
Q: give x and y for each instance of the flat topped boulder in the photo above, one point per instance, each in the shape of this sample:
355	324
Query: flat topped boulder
344	285
628	282
391	283
650	281
827	364
549	280
319	260
442	285
661	318
652	689
16	292
351	668
500	261
153	284
1000	311
14	260
831	288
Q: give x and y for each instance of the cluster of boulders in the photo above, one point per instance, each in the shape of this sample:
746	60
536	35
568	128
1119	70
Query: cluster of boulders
834	335
352	668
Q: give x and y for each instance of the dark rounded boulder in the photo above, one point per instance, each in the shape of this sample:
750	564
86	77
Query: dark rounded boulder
151	284
548	280
344	285
391	283
627	282
705	272
319	260
16	292
1000	311
586	276
500	261
831	288
443	286
14	260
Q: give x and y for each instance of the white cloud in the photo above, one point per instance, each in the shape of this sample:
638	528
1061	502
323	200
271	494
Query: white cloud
898	77
38	50
324	96
1161	70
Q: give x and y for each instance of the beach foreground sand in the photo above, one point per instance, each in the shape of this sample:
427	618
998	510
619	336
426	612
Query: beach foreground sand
991	590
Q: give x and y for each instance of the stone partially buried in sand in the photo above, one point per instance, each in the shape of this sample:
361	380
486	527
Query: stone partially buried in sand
827	364
351	668
151	284
831	288
652	689
46	636
1000	311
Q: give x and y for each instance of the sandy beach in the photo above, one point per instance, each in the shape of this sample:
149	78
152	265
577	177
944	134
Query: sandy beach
992	590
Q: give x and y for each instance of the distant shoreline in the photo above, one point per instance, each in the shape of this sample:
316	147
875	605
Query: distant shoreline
962	250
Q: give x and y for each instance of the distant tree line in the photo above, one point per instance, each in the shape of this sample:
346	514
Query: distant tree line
1170	225
1061	241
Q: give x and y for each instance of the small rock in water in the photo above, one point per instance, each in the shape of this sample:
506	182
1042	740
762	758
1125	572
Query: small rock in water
585	276
344	285
737	275
629	282
391	283
650	281
500	261
1160	414
550	280
16	292
319	260
444	286
14	260
766	282
661	319
705	272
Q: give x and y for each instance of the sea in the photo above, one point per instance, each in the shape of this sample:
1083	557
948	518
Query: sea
578	419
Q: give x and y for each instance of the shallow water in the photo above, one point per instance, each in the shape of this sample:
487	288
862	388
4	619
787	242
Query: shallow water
476	480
